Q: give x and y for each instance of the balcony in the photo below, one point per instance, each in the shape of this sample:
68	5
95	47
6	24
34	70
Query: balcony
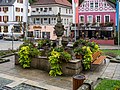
42	13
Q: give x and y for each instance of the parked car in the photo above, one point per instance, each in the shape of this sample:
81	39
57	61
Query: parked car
9	38
1	36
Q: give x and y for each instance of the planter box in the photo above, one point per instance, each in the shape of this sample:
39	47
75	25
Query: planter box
103	42
70	68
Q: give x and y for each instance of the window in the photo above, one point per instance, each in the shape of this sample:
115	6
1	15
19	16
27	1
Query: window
19	1
21	9
45	21
41	20
17	9
107	18
96	4
37	9
83	5
28	10
37	20
90	19
50	9
41	9
98	19
69	11
5	18
17	29
49	21
81	19
91	5
59	10
0	18
66	11
54	20
5	9
0	29
67	21
21	18
5	29
45	9
18	18
105	4
64	21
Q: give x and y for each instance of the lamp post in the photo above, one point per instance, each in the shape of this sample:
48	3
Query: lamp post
117	11
45	33
12	36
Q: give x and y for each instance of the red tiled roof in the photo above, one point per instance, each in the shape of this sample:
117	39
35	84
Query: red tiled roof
44	2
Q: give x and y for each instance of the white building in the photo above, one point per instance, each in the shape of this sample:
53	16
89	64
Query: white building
44	17
12	12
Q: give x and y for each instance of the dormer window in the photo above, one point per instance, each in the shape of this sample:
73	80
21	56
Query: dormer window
96	4
91	5
50	9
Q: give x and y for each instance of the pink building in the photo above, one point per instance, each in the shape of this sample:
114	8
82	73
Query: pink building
96	19
99	11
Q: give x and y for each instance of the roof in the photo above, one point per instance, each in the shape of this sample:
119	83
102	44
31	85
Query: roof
111	2
6	2
46	2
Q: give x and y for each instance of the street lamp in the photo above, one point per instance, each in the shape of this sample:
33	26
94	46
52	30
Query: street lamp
12	30
45	33
117	10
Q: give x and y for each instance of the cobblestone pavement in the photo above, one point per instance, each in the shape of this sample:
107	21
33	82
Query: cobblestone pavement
42	79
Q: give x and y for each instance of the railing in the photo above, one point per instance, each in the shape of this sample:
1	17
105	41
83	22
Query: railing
42	13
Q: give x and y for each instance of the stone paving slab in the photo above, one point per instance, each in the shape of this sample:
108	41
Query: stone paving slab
42	79
18	81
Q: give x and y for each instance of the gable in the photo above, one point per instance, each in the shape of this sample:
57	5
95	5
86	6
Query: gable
96	6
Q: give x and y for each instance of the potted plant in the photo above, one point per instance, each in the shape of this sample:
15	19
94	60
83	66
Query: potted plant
81	24
87	24
109	24
78	53
101	24
26	53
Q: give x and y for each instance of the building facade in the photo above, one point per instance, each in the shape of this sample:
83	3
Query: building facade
12	12
96	19
44	17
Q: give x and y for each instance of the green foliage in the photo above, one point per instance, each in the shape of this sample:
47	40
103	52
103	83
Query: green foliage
54	62
32	1
26	52
86	49
87	57
107	84
56	58
24	59
43	42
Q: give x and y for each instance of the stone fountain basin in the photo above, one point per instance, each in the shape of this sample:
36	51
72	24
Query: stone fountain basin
70	68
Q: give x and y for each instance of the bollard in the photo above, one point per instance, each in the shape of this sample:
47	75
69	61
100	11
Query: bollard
78	81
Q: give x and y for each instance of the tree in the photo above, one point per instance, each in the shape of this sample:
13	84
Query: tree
32	1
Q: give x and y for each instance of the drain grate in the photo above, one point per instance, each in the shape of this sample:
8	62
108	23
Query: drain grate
24	86
4	81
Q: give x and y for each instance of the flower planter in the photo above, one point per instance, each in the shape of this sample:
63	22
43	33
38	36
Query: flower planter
78	56
70	68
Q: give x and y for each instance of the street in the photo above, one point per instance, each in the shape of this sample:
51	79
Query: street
5	45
